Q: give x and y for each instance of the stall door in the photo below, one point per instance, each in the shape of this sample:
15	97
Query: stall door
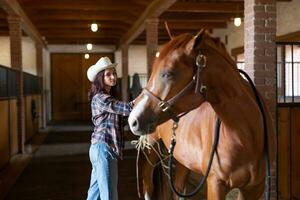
288	153
70	86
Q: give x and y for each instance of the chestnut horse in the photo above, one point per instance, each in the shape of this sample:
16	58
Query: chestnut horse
240	154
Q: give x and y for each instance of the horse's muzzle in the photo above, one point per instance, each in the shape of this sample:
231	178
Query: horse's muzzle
138	129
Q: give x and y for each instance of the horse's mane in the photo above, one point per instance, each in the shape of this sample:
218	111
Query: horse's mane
216	44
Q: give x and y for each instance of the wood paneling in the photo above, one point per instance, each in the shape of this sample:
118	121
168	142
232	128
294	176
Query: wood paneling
4	133
13	129
32	110
289	153
35	125
284	147
28	118
70	86
295	141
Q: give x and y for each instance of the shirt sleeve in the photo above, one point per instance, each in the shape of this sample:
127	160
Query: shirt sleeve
106	103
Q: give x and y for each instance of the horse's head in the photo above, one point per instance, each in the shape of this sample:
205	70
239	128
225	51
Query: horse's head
170	90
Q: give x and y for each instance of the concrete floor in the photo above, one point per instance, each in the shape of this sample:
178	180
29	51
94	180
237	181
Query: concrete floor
60	170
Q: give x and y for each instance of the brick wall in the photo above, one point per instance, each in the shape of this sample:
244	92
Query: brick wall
260	54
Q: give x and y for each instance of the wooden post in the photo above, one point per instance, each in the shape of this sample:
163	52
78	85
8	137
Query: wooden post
152	40
15	32
125	95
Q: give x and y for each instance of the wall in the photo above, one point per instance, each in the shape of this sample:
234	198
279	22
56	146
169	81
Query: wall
5	51
28	54
137	62
235	36
288	16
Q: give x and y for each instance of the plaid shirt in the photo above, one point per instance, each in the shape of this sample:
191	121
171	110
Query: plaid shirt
106	116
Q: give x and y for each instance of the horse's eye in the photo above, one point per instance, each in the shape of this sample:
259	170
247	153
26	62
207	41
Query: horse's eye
167	75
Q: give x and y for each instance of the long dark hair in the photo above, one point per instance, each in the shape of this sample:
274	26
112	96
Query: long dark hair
98	86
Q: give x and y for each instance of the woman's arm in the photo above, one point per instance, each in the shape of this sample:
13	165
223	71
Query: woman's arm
105	102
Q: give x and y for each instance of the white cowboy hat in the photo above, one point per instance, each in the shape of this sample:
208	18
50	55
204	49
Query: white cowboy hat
102	64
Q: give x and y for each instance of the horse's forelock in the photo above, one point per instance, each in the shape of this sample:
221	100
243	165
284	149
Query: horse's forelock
176	43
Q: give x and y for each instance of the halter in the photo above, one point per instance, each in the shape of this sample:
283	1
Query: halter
166	106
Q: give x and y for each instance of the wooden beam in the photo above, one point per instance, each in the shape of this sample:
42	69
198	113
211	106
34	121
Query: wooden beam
58	24
3	15
115	5
290	37
192	25
12	7
207	7
185	16
67	40
3	23
82	15
82	33
155	9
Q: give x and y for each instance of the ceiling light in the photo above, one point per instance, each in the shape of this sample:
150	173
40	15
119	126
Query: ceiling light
237	21
157	54
94	27
89	46
86	56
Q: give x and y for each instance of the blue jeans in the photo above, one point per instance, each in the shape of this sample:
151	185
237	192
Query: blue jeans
104	177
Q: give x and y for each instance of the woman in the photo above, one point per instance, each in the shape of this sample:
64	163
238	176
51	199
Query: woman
107	139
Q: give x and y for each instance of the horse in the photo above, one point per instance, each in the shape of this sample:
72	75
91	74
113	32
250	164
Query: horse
194	70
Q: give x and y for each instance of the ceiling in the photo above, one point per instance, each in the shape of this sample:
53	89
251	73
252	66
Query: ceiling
68	21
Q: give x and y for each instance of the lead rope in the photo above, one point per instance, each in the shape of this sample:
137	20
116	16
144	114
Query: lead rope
203	179
141	144
266	144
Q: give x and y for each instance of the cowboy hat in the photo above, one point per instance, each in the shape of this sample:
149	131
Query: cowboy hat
102	64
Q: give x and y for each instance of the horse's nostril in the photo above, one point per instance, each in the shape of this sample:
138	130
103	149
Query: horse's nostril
134	123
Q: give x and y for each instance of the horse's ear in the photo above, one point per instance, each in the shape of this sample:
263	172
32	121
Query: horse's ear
195	43
168	30
198	39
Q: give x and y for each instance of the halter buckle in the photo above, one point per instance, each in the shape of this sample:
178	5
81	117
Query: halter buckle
164	106
201	60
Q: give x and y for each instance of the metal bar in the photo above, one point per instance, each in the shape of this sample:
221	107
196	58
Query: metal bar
283	71
293	74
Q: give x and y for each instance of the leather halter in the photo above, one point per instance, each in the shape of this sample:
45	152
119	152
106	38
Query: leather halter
165	105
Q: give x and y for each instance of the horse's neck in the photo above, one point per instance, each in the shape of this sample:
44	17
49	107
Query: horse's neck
233	101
